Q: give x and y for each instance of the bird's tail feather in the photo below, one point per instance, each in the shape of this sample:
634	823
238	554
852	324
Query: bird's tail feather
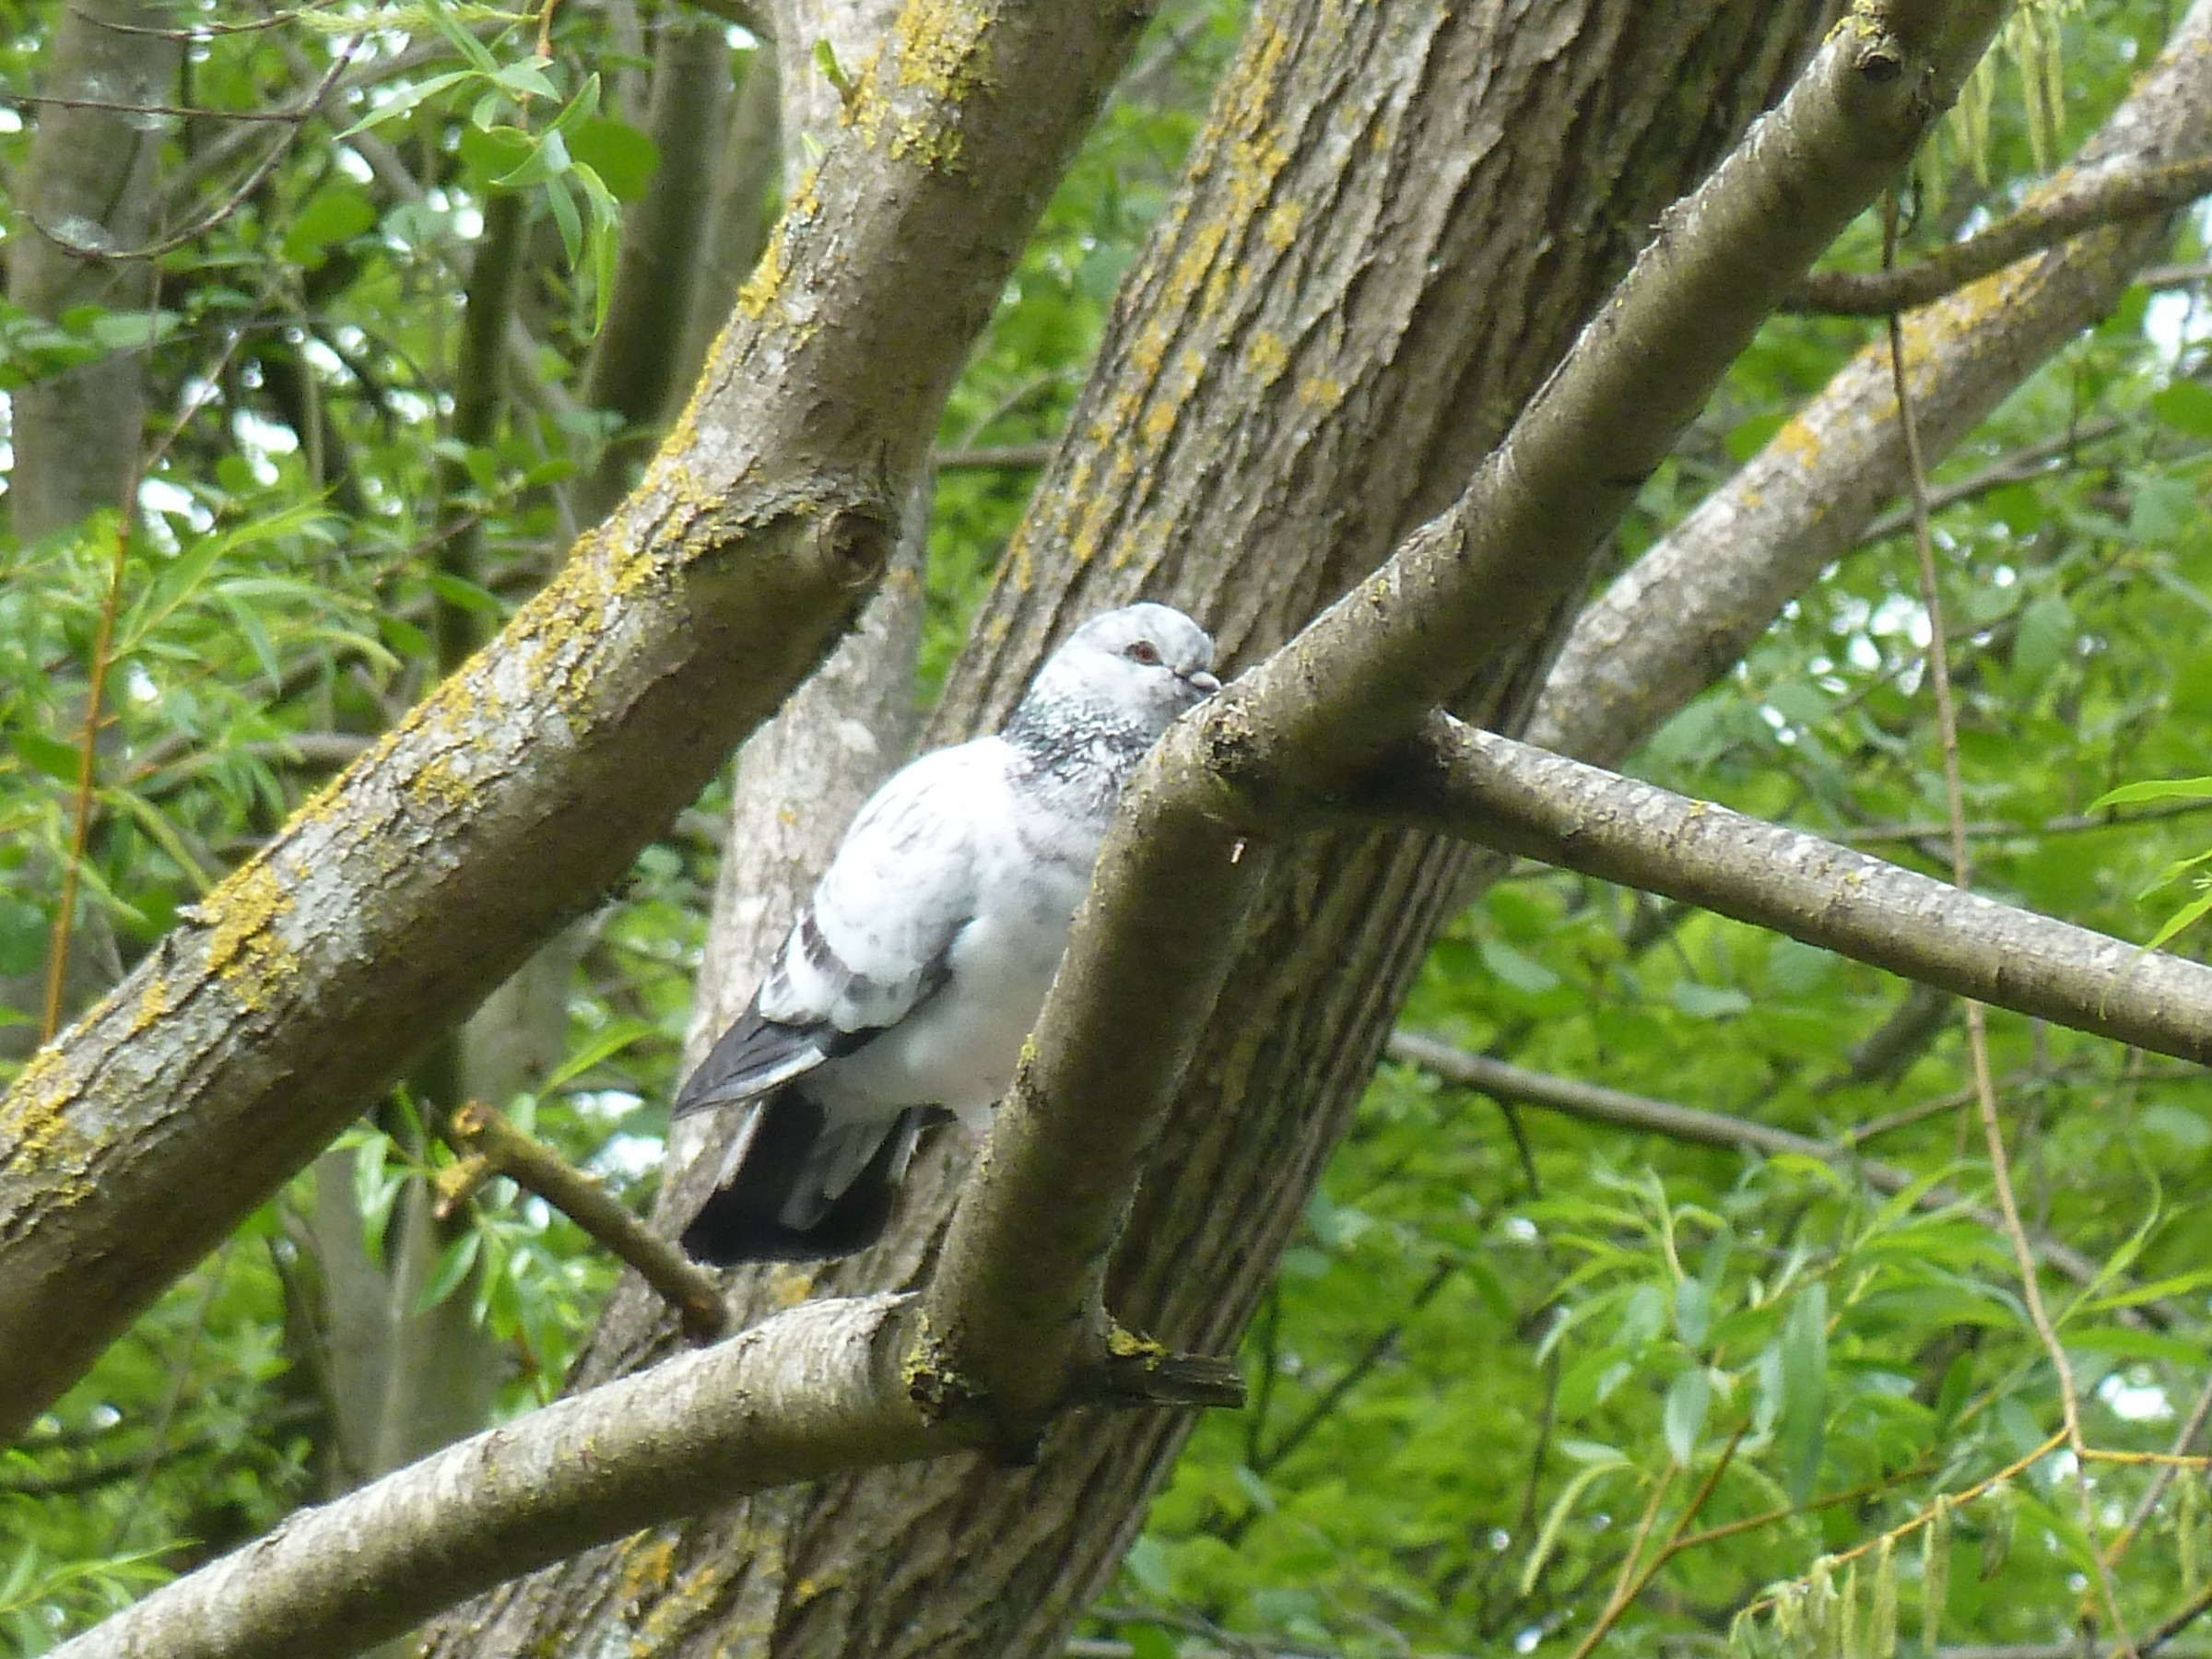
798	1188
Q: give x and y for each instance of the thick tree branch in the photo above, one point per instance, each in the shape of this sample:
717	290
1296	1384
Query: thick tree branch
1031	1238
825	1387
2072	206
523	787
1525	800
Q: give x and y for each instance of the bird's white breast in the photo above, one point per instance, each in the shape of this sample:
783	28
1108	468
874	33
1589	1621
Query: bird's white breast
958	1049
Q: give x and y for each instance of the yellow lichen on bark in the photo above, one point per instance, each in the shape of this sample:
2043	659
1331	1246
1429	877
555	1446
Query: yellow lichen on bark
677	1605
243	948
34	1119
648	1559
762	286
565	623
1266	356
440	786
153	1004
941	51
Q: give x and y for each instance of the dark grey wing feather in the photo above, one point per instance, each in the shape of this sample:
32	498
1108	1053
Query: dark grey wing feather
752	1057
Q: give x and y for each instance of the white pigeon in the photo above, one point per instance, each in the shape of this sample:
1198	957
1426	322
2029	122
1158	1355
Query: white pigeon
913	975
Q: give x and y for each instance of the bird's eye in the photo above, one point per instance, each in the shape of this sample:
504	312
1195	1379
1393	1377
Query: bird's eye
1143	651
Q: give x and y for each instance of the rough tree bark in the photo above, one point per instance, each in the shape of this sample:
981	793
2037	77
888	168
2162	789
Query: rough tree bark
397	900
90	177
1667	339
91	181
1392	226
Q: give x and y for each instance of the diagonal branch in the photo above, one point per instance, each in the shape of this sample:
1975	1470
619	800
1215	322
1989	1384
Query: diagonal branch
1694	603
2066	210
1520	800
1031	1237
813	1392
523	787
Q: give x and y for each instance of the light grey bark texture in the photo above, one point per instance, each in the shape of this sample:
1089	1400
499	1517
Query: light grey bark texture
520	789
812	1391
1513	798
1691	607
1391	226
89	180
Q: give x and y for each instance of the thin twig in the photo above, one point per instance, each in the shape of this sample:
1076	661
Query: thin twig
2184	1437
491	1146
1977	1026
204	31
156	1448
81	825
2030	461
183	112
2103	199
2074	823
1594	1103
1002	457
253	181
1633	1579
1911	1524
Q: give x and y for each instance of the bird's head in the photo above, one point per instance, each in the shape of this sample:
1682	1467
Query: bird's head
1129	672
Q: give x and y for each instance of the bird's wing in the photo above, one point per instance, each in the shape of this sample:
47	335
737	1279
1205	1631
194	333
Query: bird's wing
875	941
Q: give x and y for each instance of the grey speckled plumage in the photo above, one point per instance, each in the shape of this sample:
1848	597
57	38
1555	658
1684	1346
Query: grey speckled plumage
917	969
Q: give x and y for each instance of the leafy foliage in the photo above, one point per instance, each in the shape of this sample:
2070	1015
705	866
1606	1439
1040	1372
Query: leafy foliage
1515	1359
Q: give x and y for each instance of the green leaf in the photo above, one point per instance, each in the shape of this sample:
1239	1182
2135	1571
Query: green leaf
1547	1537
548	158
339	212
2164	511
453	1263
463	595
403	101
563	207
51	756
1958	1388
1689	1400
2181	1284
491	154
2045	638
581	107
1521	973
1802	1424
2186	406
2193	912
603	1046
825	60
619	153
1693	1311
2156	789
23	936
1709	1002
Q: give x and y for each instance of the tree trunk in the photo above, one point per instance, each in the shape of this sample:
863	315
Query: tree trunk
91	181
635	355
525	785
1392	226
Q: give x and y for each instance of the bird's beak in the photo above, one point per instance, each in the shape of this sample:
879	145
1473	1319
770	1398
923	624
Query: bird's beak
1200	681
